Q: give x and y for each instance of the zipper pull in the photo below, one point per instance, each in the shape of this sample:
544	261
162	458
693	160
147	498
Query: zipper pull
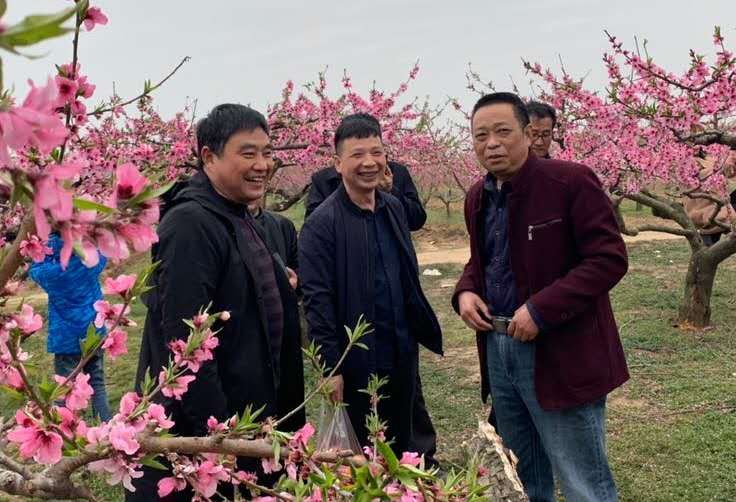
531	227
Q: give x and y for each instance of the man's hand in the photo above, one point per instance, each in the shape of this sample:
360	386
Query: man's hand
523	327
471	306
387	182
293	278
337	384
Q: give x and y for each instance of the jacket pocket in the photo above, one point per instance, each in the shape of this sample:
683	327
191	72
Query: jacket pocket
540	226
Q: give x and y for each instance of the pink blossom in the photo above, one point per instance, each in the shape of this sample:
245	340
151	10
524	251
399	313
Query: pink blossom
128	403
139	235
129	183
98	435
27	320
71	425
170	484
35	249
118	471
303	435
34	123
93	18
214	426
157	413
108	315
78	397
176	388
44	446
86	90
270	465
116	343
207	476
411	496
112	245
410	458
67	90
122	437
316	496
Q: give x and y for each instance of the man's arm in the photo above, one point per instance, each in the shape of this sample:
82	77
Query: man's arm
602	250
191	264
405	190
316	277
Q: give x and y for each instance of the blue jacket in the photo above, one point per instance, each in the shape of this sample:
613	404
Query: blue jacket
72	295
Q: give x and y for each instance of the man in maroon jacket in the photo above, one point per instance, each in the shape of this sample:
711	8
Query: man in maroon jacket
545	252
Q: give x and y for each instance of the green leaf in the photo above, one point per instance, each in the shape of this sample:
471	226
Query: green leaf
389	456
3	7
406	479
150	193
36	28
91	341
88	205
47	389
150	461
15	398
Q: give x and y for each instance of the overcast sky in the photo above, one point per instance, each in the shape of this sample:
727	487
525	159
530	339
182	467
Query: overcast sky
244	51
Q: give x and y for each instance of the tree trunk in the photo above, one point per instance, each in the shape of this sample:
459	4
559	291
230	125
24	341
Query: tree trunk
695	305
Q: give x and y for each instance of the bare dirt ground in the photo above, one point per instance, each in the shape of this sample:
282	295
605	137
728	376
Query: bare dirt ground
429	254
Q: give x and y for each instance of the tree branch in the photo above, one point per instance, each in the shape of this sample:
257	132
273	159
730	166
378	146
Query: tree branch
13	259
145	92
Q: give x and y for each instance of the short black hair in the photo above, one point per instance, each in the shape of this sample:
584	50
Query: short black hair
357	125
509	98
222	122
542	111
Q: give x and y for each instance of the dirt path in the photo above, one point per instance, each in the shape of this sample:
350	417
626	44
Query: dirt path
461	255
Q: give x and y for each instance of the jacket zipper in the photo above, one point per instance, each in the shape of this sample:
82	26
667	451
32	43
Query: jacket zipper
541	225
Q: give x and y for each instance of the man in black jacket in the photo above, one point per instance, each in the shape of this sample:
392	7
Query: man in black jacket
212	252
396	181
356	258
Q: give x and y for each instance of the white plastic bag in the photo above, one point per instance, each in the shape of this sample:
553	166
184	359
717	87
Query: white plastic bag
335	431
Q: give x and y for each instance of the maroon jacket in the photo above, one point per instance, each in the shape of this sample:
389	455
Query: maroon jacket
566	255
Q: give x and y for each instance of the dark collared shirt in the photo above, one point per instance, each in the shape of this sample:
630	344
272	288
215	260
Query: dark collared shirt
389	317
500	287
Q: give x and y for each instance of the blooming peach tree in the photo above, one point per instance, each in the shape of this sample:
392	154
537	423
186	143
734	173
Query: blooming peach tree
645	137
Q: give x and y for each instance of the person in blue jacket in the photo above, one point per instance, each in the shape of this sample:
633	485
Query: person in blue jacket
72	293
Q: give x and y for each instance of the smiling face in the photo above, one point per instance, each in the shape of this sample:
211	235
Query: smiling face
361	162
240	172
499	141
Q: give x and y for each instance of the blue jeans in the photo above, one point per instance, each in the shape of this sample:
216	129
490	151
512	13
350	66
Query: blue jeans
65	363
571	442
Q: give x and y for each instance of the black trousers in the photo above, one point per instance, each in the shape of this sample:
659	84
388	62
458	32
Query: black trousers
402	407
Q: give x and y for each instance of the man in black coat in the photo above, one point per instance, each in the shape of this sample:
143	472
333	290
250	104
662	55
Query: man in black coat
211	252
356	258
397	181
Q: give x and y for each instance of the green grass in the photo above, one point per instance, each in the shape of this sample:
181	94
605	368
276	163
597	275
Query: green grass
672	427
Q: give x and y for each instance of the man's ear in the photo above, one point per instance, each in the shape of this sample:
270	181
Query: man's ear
206	155
338	163
528	135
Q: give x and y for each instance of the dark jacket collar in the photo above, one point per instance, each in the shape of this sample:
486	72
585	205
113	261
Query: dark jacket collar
343	196
200	189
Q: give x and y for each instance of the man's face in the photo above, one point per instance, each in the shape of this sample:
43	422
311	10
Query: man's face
361	162
541	135
499	141
241	171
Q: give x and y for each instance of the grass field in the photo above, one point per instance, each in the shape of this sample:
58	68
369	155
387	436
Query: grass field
672	428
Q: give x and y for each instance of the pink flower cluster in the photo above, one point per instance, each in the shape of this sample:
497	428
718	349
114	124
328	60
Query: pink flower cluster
649	129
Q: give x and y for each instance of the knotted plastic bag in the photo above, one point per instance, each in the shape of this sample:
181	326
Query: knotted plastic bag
335	431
